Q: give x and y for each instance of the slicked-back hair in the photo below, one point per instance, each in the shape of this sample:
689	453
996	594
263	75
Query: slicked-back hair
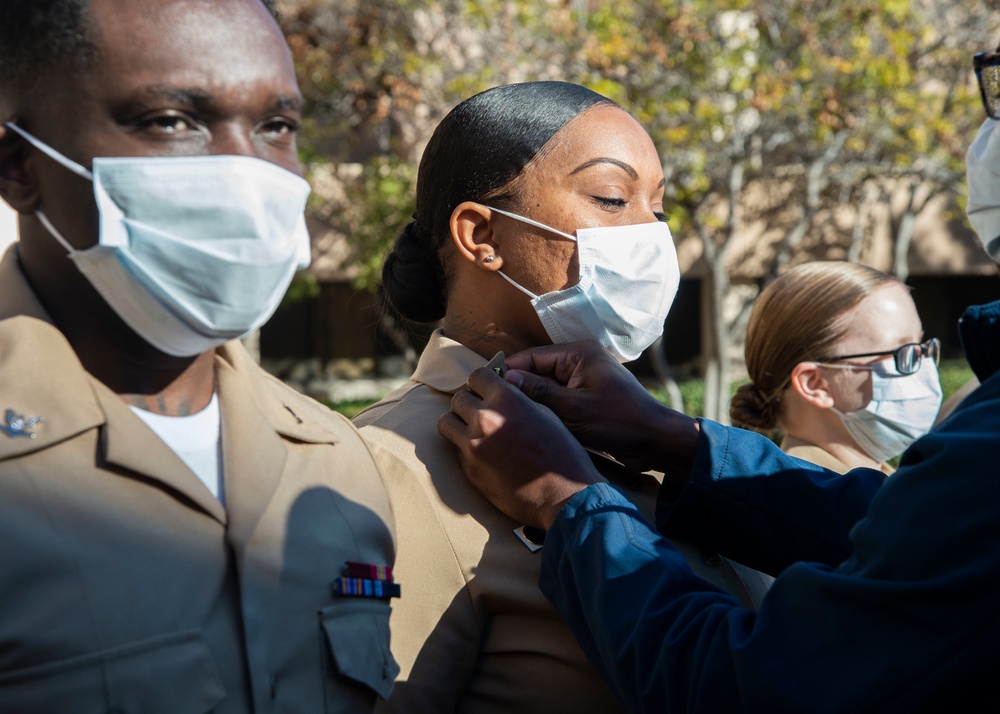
797	318
475	154
37	36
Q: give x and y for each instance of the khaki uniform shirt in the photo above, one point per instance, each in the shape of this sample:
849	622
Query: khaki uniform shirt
127	587
821	457
473	632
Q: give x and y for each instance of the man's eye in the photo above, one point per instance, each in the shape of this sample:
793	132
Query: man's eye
280	128
168	124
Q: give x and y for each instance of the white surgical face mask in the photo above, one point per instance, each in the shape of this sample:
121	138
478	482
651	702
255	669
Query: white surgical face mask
192	251
983	178
628	279
903	408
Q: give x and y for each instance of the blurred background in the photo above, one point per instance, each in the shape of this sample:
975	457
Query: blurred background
789	130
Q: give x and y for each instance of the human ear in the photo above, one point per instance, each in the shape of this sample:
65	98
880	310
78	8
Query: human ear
16	185
810	383
472	233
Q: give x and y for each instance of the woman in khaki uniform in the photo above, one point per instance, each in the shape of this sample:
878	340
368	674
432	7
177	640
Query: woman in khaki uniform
835	354
518	190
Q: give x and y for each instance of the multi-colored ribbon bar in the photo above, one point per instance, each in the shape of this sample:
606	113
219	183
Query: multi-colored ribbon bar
365	587
368	570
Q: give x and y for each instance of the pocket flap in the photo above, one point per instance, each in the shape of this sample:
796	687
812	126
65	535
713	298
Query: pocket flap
357	633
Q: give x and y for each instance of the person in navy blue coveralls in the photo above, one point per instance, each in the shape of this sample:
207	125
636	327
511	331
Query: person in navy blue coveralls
887	597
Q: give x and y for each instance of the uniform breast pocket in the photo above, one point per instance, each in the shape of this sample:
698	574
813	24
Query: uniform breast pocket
357	638
168	674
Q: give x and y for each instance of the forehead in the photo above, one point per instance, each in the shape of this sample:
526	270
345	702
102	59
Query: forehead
205	43
884	320
602	131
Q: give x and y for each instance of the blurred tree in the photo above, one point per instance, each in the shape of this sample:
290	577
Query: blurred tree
772	114
808	101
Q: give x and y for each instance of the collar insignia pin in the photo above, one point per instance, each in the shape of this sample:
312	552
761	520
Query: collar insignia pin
19	425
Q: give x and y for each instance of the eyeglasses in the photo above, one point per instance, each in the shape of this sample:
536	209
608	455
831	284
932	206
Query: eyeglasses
907	358
987	66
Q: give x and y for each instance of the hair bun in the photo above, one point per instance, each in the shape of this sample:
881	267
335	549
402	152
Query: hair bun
414	234
753	409
413	279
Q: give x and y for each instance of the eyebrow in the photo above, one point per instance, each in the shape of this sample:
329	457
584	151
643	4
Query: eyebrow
179	95
632	173
292	103
202	98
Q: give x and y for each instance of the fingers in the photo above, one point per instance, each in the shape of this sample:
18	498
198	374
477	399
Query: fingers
514	451
486	383
453	429
540	360
533	386
479	409
560	361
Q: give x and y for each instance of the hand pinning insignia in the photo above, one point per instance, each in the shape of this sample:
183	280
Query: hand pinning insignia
498	364
18	425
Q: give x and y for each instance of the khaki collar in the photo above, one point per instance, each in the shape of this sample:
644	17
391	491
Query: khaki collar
16	296
445	364
802	449
35	353
45	394
46	397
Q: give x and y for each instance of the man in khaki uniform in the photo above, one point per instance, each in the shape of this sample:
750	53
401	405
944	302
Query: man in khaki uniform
179	532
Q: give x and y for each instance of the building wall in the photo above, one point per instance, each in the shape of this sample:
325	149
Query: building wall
941	300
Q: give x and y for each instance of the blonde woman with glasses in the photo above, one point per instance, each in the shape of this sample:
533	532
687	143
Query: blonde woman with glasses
839	367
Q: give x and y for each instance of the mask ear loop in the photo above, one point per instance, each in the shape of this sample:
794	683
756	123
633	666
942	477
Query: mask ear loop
51	153
519	287
536	224
63	161
530	222
55	233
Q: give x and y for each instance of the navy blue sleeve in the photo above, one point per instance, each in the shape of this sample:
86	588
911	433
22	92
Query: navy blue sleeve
751	502
622	588
907	622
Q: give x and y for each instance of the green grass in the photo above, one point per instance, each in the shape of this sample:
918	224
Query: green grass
350	408
954	373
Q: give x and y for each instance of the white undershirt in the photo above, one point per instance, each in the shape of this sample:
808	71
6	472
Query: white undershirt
196	439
